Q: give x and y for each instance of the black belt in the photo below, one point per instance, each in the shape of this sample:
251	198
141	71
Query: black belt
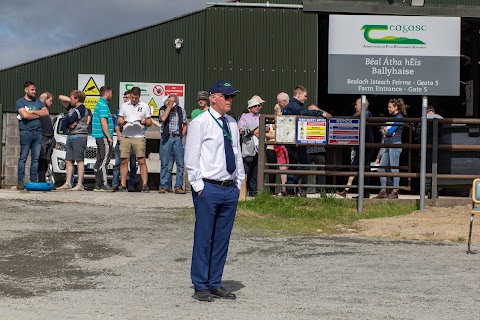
225	183
174	134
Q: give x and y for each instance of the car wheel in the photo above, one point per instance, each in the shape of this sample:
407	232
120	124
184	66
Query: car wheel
49	176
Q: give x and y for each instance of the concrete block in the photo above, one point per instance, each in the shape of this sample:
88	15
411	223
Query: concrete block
12	151
12	131
11	176
11	161
12	141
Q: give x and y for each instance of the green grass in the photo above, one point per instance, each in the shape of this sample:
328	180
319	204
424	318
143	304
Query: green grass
307	216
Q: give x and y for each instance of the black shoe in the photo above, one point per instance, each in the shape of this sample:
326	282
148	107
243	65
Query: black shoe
131	189
203	295
115	188
122	188
145	188
222	293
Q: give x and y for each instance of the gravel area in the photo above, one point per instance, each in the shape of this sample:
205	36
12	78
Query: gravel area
127	256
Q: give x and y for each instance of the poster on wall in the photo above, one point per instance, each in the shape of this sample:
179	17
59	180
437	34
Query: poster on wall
154	94
343	131
312	130
90	84
394	55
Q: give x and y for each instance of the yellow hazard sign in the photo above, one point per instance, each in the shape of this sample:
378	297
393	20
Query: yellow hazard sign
91	88
153	107
91	102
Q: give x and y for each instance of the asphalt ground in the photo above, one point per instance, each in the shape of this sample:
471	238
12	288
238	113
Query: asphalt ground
87	255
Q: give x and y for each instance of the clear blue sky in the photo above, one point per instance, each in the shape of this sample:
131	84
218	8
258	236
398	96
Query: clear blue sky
31	29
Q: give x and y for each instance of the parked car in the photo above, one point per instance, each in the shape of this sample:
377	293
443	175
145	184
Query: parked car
57	169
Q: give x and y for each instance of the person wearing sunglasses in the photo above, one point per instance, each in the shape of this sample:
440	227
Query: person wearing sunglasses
249	132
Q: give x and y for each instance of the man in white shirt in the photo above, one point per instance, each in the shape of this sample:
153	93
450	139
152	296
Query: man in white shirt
134	115
214	165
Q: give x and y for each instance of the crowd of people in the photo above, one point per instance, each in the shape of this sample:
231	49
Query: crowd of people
218	151
134	116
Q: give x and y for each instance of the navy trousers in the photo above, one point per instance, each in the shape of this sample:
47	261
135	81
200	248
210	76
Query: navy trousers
215	210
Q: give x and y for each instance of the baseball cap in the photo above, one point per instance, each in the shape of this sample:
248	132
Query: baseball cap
202	95
222	86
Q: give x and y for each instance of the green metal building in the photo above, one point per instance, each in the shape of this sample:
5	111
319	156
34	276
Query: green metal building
261	47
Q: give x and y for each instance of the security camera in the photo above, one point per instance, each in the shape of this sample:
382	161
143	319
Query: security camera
178	43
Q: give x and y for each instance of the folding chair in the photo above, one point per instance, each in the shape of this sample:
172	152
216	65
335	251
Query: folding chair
475	208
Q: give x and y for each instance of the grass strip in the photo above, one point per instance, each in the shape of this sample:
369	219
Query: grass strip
308	216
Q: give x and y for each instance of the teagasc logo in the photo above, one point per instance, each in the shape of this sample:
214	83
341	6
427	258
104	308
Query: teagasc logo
392	39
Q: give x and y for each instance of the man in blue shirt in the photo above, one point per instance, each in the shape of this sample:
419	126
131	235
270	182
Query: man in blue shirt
299	154
29	110
102	131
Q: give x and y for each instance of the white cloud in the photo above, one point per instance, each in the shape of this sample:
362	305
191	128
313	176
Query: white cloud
31	29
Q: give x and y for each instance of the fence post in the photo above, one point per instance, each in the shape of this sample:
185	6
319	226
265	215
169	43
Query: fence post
361	158
435	161
423	153
261	154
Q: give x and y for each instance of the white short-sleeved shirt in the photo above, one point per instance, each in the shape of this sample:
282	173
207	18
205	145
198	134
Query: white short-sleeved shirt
133	114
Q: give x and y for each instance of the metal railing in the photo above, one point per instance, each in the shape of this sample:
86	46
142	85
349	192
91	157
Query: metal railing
331	170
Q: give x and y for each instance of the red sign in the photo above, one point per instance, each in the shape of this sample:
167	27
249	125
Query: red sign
178	90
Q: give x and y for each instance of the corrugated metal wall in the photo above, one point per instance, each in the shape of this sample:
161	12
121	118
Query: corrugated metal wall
146	55
262	51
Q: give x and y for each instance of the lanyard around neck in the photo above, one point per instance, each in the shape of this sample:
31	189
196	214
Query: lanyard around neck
225	133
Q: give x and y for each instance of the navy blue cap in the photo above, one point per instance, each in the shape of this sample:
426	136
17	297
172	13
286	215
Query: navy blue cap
222	86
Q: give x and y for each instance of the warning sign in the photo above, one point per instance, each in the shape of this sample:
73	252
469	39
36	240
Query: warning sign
158	90
91	102
91	88
90	84
178	90
312	130
153	107
154	94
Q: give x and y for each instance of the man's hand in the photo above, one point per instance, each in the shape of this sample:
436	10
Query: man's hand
199	192
121	121
73	125
313	107
170	102
256	133
327	115
110	141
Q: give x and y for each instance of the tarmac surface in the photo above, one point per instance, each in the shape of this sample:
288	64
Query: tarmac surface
87	255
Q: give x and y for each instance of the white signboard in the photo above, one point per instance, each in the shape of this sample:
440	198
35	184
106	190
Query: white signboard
285	129
154	94
394	55
90	84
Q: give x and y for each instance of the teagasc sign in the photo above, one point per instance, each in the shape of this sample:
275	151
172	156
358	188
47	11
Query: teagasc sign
394	55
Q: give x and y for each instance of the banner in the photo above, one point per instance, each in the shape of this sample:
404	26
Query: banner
154	94
394	55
